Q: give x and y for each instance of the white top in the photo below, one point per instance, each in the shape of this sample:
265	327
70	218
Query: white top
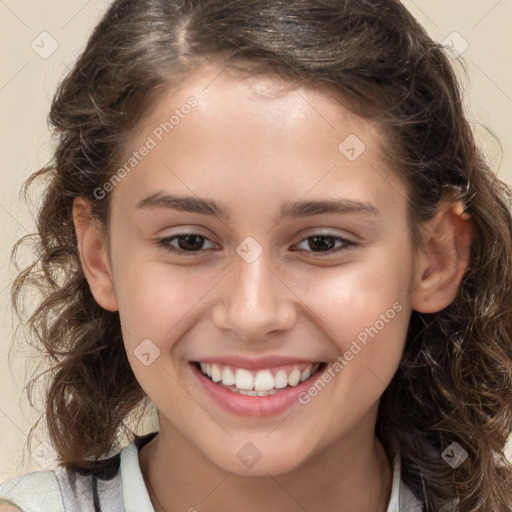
121	488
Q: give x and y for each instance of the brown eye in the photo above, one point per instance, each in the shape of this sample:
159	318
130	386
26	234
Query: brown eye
325	245
183	243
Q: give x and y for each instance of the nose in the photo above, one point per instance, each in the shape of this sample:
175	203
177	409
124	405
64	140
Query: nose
254	301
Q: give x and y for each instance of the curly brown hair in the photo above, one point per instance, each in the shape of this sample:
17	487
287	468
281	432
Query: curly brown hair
454	382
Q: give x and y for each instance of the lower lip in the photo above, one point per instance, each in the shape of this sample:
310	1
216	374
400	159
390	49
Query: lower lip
244	405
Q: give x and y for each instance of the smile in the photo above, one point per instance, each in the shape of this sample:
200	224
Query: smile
260	383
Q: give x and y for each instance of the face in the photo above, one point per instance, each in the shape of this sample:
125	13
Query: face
261	238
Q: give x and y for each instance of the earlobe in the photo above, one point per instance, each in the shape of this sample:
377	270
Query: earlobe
93	255
444	259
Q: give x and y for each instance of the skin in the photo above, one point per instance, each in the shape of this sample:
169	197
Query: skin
254	144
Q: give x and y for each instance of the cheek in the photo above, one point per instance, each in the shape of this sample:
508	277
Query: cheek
155	300
156	297
354	296
364	308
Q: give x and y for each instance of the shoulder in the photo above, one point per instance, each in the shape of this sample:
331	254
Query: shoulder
402	498
37	491
408	500
65	489
105	485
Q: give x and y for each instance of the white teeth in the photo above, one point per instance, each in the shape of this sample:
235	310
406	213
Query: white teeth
305	374
252	392
294	377
244	379
216	376
263	381
228	377
281	379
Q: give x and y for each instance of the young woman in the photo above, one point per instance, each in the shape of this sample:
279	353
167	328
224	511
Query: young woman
270	219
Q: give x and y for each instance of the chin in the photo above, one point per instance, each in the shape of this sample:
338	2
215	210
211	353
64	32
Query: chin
259	458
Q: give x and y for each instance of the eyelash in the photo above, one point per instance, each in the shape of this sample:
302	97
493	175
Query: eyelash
165	243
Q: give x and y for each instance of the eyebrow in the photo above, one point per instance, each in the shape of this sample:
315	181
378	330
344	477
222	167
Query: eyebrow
212	207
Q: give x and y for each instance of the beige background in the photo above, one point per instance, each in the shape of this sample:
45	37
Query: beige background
27	82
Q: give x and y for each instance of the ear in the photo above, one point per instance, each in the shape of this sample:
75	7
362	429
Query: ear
444	258
93	255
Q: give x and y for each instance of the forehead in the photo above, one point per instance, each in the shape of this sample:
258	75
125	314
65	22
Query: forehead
221	129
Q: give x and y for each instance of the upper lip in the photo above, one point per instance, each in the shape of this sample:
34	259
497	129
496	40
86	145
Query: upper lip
259	363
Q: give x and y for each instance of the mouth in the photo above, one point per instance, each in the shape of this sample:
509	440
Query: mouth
260	383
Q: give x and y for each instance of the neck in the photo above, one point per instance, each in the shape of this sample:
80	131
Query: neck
346	477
